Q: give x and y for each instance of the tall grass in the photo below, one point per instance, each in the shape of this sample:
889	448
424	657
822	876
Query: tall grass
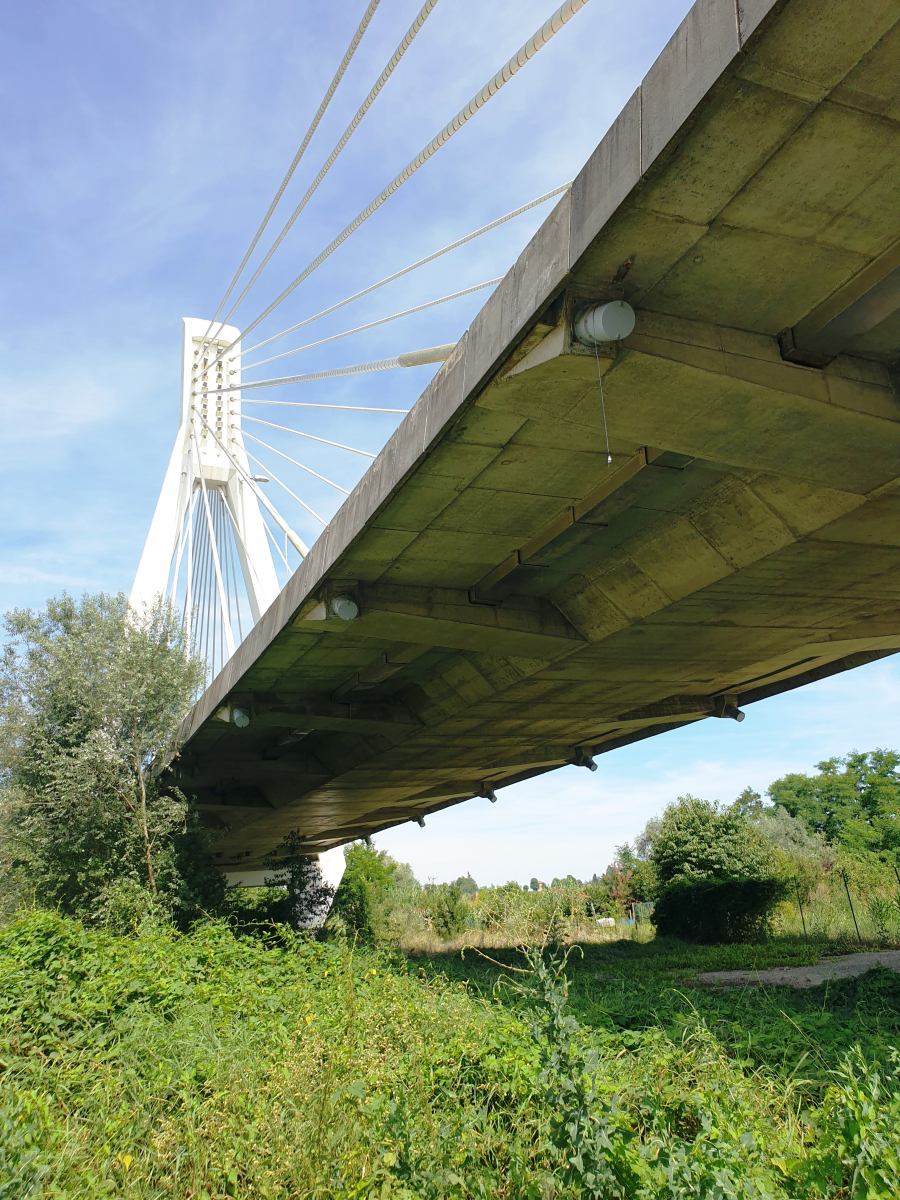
208	1065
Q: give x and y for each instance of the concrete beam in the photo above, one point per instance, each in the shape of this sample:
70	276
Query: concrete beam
448	617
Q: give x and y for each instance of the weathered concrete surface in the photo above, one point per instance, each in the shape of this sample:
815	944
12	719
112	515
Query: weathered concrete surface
524	604
845	967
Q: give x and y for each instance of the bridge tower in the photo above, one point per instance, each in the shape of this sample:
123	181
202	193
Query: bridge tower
207	547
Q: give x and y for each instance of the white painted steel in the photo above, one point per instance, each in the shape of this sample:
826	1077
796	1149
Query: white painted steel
516	212
314	124
385	75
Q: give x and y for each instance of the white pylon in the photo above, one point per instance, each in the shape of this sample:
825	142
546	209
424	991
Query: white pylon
208	514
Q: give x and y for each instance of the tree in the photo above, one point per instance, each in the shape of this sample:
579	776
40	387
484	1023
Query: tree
699	839
307	896
804	857
91	698
363	895
467	885
718	875
446	909
853	801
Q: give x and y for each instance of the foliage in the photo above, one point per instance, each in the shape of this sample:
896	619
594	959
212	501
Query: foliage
699	839
587	1149
718	875
859	1125
447	913
305	896
22	1117
803	857
91	697
853	801
184	1065
795	1036
362	900
717	910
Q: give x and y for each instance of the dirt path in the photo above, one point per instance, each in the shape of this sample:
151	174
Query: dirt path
805	977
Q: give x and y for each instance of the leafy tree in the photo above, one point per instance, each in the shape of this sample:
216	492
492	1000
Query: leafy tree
91	698
467	885
404	879
853	801
307	897
699	839
788	833
643	843
749	803
804	857
718	874
639	880
446	909
362	898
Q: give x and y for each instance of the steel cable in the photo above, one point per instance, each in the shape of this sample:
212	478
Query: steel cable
345	138
339	74
381	321
414	266
535	43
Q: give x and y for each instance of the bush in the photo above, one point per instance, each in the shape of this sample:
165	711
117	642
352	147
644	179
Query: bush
718	875
718	910
92	695
362	901
447	912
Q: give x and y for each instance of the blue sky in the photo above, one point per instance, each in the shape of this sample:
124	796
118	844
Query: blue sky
143	143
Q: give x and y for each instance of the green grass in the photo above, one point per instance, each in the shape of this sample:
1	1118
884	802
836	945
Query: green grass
795	1035
210	1065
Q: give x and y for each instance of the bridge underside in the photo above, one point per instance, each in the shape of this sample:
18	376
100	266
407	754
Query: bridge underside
523	603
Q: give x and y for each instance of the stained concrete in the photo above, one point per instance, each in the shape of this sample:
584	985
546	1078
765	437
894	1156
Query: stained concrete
523	602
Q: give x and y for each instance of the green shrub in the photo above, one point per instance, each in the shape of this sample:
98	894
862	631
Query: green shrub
181	1065
718	875
23	1116
717	910
447	912
853	802
362	900
92	695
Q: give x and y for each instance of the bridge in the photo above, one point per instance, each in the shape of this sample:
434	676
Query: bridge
577	539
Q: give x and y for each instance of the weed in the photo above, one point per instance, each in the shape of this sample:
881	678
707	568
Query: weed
210	1064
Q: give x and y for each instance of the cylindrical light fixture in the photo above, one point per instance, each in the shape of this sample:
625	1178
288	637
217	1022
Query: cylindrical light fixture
603	323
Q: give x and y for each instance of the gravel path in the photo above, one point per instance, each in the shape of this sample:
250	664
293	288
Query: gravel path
806	977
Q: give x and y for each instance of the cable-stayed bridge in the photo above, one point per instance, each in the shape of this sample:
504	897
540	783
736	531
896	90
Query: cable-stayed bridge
656	480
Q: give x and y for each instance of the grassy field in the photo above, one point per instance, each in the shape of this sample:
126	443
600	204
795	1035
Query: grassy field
208	1065
797	1036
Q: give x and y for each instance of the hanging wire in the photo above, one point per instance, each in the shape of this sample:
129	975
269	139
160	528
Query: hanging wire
534	44
602	404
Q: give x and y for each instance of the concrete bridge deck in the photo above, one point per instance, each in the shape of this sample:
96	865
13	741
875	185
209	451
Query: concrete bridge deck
523	603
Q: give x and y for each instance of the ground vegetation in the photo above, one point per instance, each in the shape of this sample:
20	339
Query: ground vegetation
210	1065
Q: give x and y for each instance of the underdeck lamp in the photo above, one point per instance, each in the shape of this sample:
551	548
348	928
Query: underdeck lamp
600	324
